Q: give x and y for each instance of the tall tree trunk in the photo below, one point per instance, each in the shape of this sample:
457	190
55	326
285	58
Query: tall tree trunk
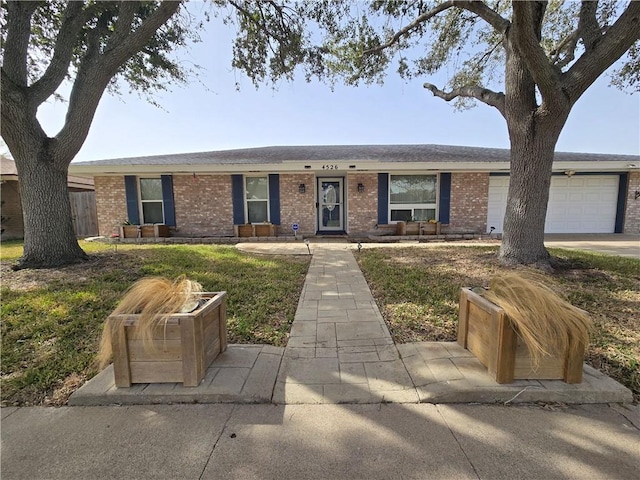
48	228
533	133
532	151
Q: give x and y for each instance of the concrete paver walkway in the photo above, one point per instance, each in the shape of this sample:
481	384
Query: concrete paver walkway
340	351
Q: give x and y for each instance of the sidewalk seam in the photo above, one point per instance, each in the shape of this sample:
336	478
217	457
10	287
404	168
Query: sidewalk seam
457	441
215	444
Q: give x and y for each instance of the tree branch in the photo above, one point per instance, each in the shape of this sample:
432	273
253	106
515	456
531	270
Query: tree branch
133	42
126	13
588	27
477	7
94	74
525	33
16	45
489	97
605	52
74	19
410	27
490	16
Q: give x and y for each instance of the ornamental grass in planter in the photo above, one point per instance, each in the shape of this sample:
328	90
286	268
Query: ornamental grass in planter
521	329
164	331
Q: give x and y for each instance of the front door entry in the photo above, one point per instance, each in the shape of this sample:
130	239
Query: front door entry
330	205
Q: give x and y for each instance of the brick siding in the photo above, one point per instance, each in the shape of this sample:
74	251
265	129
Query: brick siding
469	202
362	207
296	207
203	205
111	202
632	212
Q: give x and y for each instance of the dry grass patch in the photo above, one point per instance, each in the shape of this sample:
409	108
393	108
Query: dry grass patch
417	290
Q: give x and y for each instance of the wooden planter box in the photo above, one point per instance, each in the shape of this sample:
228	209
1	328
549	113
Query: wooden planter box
255	230
129	231
184	348
245	230
264	230
485	330
417	228
148	231
428	228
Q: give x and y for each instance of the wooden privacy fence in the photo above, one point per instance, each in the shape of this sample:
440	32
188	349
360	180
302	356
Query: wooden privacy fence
84	213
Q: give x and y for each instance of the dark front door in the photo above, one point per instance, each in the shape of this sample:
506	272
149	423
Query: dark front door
330	204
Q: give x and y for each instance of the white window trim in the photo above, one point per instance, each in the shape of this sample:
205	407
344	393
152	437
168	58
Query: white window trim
247	200
412	206
140	201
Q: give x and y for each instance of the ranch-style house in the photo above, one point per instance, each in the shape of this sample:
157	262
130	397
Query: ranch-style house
354	190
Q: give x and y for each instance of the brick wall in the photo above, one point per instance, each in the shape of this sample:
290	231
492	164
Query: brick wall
11	210
111	202
296	207
632	212
362	207
469	200
203	205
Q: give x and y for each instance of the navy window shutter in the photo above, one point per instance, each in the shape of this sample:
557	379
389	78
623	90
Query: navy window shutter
383	198
167	199
445	197
237	197
274	198
622	195
131	191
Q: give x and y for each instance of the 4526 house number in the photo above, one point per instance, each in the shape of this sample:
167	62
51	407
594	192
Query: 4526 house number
330	167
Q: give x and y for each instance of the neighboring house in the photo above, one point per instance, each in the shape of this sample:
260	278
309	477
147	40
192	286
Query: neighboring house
355	190
11	207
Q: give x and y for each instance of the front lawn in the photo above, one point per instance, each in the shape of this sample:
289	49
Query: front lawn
418	289
52	319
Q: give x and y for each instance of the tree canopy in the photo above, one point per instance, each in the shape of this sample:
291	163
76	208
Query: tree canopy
531	61
93	45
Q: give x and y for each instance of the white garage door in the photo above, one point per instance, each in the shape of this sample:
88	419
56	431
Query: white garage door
580	204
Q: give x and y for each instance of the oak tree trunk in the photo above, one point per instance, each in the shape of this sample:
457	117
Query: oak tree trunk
533	133
530	178
48	228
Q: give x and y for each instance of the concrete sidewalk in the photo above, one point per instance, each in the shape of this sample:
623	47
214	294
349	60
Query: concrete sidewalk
320	442
340	351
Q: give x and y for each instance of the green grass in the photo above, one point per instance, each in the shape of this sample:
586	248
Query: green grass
52	319
418	289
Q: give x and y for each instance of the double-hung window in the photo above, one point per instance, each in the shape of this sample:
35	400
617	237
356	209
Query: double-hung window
151	200
412	197
257	199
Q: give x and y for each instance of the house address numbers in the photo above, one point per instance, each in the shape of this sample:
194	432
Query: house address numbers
330	167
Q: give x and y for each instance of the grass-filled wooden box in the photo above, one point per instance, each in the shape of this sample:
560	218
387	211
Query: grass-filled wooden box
485	330
183	348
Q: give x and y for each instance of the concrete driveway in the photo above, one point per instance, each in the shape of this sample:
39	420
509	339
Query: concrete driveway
625	245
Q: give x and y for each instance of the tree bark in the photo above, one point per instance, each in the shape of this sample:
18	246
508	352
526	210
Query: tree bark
533	133
49	239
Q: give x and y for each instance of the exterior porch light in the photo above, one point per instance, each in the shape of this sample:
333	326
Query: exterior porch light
360	187
302	188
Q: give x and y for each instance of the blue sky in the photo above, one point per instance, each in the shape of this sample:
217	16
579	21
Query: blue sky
209	114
